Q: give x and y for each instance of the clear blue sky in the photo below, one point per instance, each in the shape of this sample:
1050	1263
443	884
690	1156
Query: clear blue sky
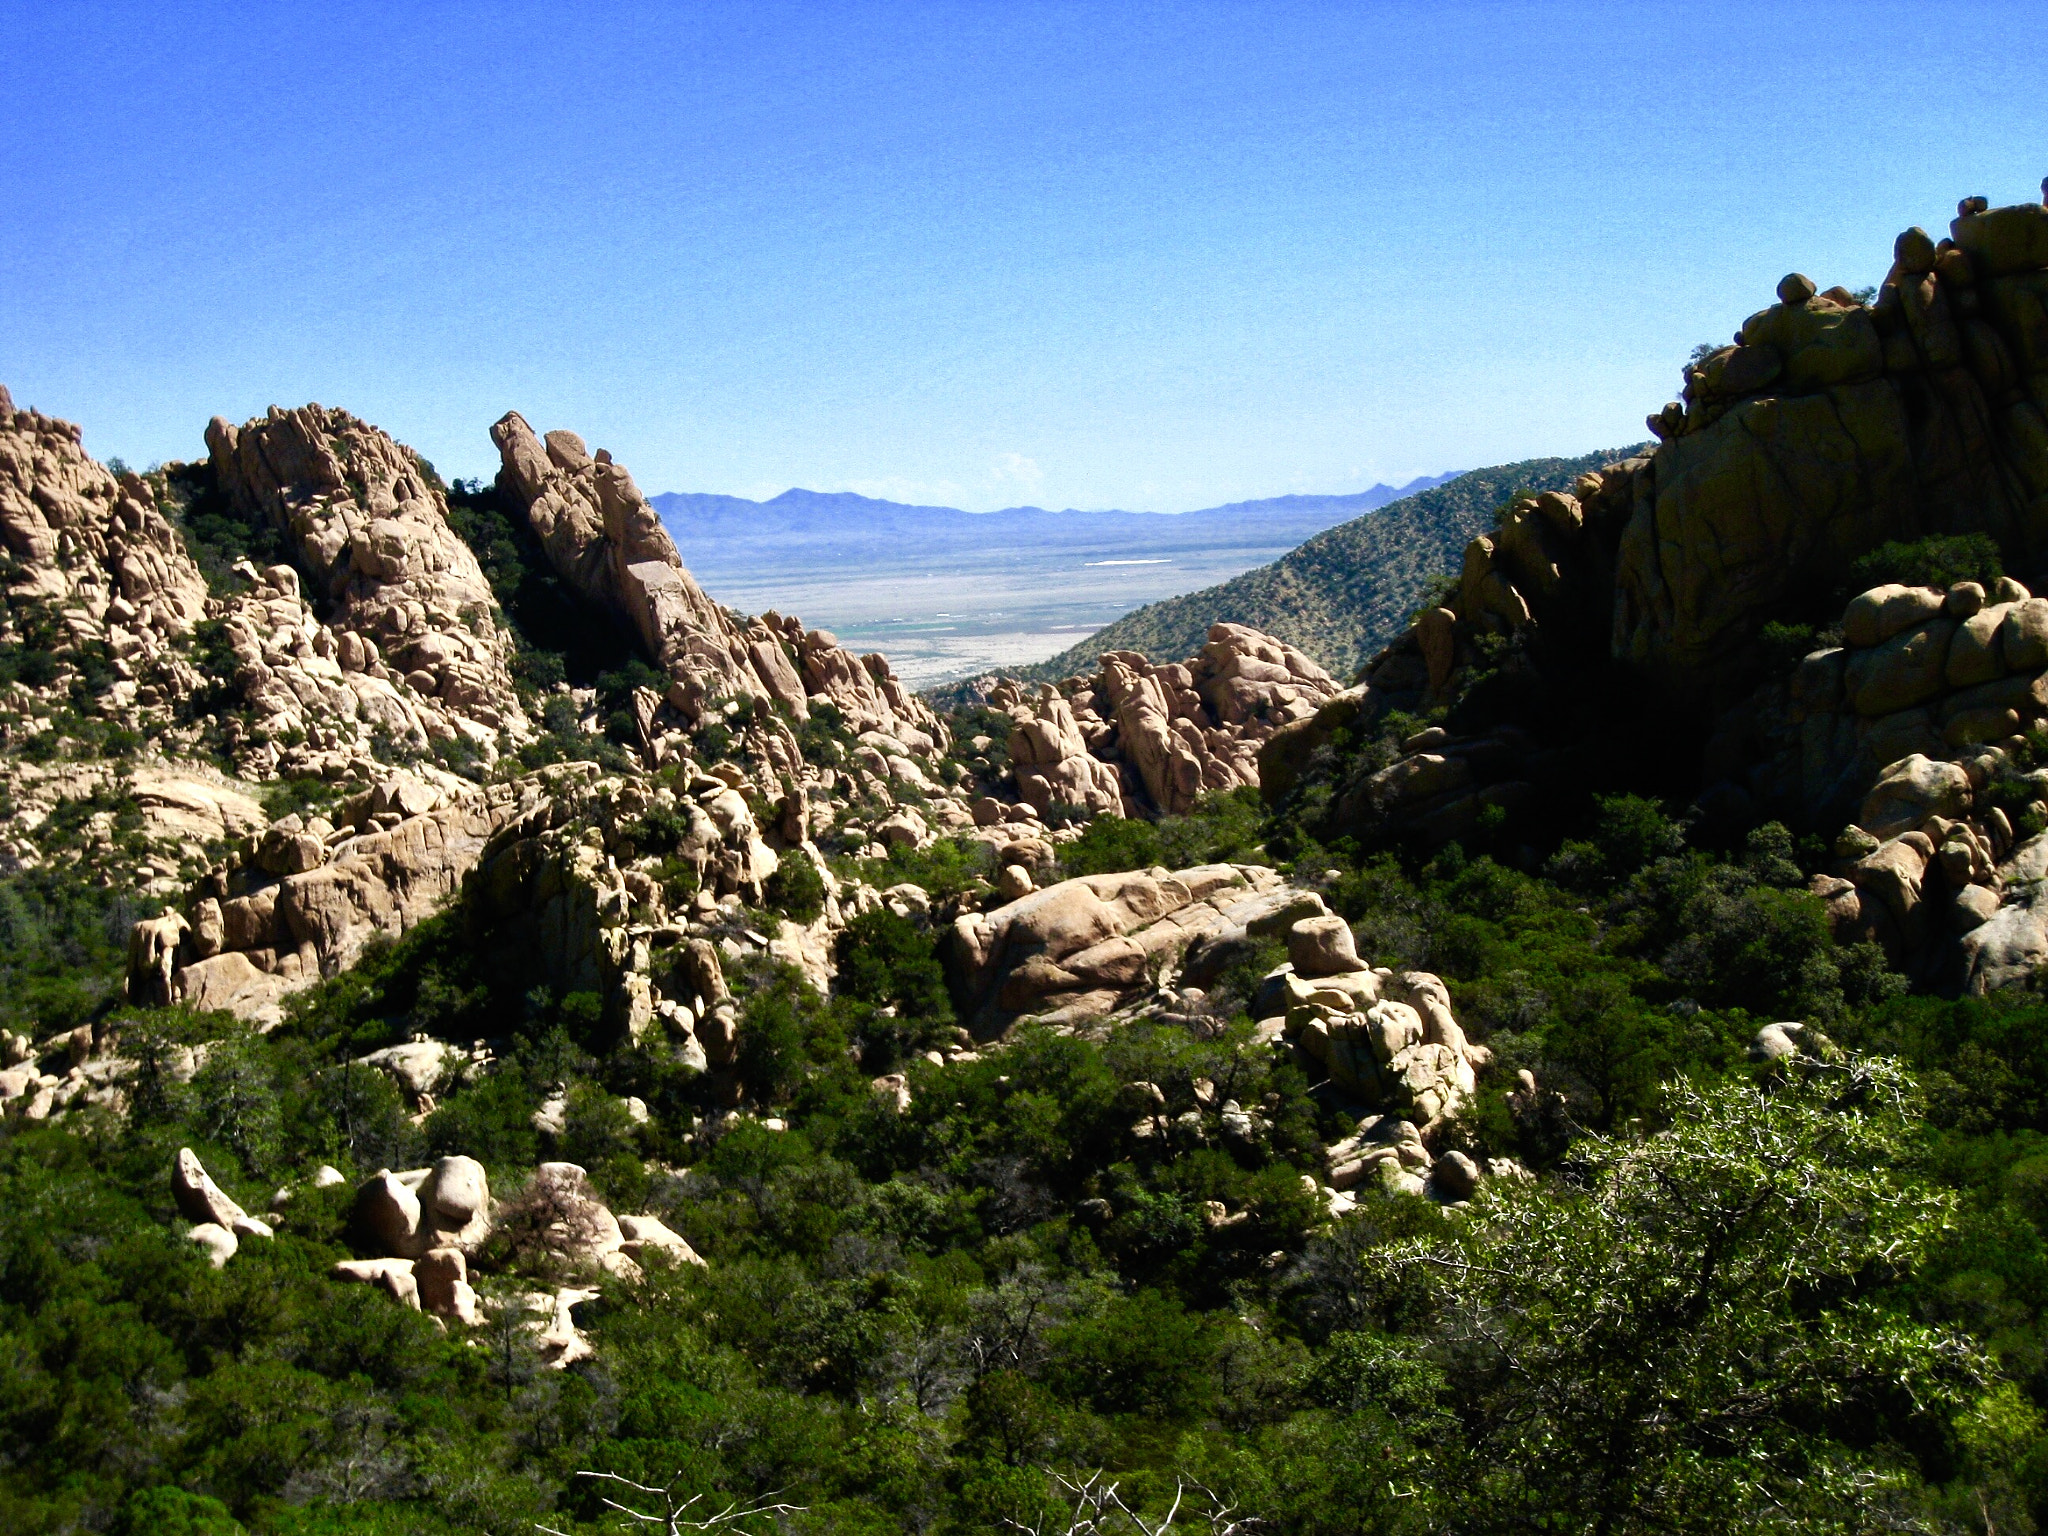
1094	255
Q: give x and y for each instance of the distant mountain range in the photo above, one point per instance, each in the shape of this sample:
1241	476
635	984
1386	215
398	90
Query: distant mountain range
946	593
717	532
1347	590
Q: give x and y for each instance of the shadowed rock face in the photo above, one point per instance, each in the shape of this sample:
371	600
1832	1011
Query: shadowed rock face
1829	427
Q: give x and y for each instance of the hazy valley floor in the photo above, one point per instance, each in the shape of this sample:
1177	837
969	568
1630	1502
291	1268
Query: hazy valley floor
949	594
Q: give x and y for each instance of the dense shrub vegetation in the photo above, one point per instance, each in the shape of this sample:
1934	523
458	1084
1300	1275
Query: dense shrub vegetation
1813	1301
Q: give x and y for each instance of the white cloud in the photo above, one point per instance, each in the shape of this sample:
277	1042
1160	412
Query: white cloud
1015	469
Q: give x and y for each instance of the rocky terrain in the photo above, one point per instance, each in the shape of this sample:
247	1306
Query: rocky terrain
656	1039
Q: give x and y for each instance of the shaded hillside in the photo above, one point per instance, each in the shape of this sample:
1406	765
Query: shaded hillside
1347	591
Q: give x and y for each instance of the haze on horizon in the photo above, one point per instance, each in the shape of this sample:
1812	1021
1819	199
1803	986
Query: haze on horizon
1157	257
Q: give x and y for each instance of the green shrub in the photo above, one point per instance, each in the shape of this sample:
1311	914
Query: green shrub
1932	562
796	889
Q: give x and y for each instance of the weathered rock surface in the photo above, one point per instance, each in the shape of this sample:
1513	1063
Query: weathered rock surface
1084	948
198	1198
403	600
608	543
301	906
1388	1039
1827	429
1139	736
93	552
404	1215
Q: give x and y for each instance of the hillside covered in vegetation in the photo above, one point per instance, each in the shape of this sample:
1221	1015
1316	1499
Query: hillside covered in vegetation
1344	593
497	1042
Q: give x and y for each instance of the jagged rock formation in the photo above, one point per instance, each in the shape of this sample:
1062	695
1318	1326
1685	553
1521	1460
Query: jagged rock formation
1139	736
1827	429
407	609
94	552
608	543
300	903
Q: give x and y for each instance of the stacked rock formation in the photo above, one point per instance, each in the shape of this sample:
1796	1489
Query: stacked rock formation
405	605
1139	736
1388	1039
608	543
1828	428
218	1224
1921	672
556	873
102	560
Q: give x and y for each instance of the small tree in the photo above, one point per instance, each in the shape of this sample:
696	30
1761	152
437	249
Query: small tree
1699	1338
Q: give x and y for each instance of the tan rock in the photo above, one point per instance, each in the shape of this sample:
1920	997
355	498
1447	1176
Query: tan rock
217	1242
394	1276
198	1198
1911	790
644	1236
1875	616
1322	946
441	1278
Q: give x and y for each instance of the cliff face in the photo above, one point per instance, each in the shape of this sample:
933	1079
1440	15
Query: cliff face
1829	428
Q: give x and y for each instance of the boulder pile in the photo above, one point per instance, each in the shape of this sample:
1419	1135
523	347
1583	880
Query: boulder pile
1387	1039
1097	945
369	523
218	1224
1140	736
423	1228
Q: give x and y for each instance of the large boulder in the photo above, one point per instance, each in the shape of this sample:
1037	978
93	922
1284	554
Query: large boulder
1085	948
403	1215
199	1199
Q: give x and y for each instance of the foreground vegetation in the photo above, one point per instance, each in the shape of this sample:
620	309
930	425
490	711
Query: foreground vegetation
1733	1296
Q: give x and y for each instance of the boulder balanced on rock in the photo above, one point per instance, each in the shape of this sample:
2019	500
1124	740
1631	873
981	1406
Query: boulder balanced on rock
403	1215
1389	1039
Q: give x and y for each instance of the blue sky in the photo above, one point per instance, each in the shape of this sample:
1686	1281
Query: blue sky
1095	255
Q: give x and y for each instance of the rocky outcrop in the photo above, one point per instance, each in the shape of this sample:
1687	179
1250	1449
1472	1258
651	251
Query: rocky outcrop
300	903
1828	428
1926	673
402	599
608	543
94	553
323	701
1141	737
218	1224
1094	946
1387	1039
406	1215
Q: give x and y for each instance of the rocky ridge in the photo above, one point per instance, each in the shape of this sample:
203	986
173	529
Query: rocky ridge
412	643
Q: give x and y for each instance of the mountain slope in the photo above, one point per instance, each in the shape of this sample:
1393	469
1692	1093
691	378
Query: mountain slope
1345	592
